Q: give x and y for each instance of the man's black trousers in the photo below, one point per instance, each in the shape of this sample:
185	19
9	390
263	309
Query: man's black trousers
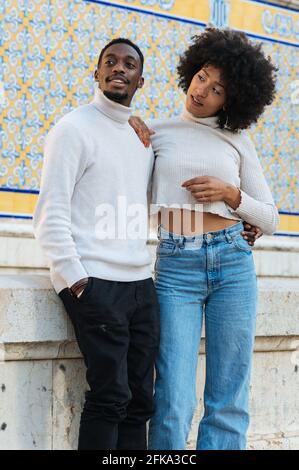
117	329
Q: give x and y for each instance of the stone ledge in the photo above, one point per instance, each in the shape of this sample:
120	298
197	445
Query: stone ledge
49	350
30	310
24	230
274	256
17	228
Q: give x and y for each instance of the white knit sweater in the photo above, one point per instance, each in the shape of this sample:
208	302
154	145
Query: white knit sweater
186	147
92	159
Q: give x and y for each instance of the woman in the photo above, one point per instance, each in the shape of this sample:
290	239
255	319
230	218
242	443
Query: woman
204	267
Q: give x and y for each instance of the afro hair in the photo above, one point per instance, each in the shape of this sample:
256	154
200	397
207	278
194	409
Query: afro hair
250	77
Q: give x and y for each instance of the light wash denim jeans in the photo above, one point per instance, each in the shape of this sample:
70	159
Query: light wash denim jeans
211	275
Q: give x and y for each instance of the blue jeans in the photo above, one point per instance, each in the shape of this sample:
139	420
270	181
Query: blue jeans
212	275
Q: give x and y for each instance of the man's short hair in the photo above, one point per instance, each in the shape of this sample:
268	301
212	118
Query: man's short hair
122	41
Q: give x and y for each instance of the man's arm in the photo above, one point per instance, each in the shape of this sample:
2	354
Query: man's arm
64	163
251	233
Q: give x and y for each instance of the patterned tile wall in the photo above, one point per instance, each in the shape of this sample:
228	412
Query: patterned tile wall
49	49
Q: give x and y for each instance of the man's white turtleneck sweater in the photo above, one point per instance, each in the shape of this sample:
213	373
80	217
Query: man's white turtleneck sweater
92	159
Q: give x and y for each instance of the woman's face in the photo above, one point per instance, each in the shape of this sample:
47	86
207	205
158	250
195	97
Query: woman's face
206	93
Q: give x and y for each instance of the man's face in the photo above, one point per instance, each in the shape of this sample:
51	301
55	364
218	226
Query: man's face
119	73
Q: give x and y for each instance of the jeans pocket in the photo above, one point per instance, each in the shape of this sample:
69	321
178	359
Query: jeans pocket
241	244
166	248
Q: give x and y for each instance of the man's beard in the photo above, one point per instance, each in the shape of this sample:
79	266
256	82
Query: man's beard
117	97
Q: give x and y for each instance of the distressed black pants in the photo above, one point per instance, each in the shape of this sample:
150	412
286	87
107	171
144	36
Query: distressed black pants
117	329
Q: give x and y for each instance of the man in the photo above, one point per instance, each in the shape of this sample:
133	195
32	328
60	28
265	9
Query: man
92	159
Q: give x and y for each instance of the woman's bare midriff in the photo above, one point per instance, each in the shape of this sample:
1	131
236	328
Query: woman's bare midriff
191	223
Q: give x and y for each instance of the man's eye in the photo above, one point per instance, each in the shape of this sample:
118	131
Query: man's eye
131	66
201	78
216	91
109	61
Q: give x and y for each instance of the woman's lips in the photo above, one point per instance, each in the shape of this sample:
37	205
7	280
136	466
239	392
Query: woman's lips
196	102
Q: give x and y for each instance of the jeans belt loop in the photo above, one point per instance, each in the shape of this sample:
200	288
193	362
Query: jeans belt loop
228	237
159	232
181	242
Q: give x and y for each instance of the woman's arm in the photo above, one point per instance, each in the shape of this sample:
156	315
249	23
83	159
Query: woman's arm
251	202
256	202
144	133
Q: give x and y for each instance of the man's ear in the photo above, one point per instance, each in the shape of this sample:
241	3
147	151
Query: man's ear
96	76
140	82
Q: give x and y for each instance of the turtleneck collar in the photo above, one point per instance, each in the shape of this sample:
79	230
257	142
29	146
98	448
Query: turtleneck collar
206	121
112	110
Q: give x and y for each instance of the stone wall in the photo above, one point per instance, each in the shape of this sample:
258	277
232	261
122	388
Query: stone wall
42	378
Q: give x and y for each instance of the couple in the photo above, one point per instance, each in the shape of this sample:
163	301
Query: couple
204	267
